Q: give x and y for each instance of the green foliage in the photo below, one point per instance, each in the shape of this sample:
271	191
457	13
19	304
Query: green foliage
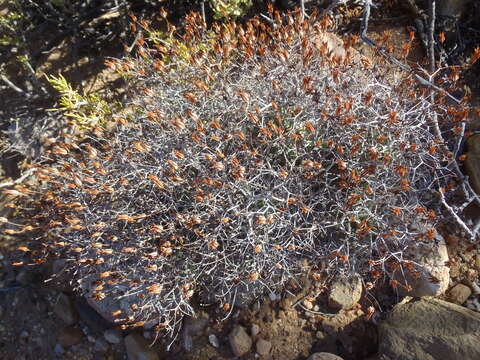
85	110
227	9
10	26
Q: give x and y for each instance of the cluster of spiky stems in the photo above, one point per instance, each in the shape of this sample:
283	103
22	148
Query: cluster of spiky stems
258	150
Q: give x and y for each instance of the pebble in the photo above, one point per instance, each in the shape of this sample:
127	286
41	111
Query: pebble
324	356
263	347
477	262
254	330
475	288
70	336
59	350
101	346
308	304
345	292
113	336
240	342
459	294
473	304
212	338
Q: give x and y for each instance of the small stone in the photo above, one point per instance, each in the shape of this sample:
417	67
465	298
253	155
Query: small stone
101	346
212	338
459	294
240	342
255	330
113	336
475	288
63	308
477	262
59	350
430	259
320	335
345	292
308	304
70	336
263	347
24	334
324	356
138	348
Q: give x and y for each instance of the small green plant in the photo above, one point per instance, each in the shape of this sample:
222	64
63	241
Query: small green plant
226	9
86	111
10	25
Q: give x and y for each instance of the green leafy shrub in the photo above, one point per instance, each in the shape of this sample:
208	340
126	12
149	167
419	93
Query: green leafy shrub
266	149
86	111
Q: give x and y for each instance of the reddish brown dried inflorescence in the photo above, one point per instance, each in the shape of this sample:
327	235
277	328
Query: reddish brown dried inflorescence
258	148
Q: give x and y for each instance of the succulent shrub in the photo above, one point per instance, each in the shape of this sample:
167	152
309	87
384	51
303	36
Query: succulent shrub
264	148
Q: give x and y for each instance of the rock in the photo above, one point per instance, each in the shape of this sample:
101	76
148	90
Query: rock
433	276
59	350
475	287
459	294
308	304
101	346
240	342
477	262
193	327
213	340
254	330
111	304
89	316
246	293
473	304
263	347
70	336
324	356
64	309
113	336
429	329
138	348
345	292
